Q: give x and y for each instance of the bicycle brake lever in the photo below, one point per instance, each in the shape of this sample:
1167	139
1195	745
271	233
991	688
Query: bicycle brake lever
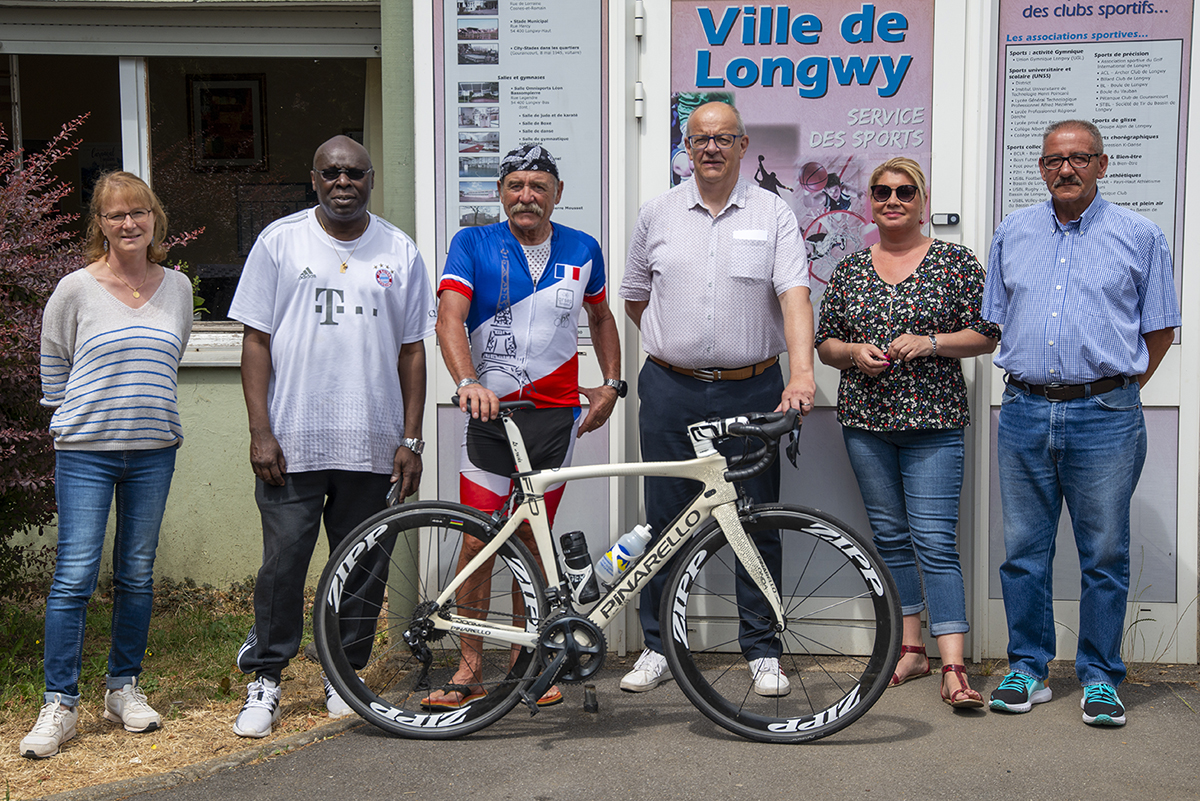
793	446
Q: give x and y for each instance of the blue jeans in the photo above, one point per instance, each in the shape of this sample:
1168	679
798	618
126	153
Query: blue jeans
670	402
910	483
1088	452
84	484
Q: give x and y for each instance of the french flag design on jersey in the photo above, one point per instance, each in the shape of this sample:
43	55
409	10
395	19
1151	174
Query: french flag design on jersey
525	346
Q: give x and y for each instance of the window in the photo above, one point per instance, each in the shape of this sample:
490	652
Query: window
231	144
231	140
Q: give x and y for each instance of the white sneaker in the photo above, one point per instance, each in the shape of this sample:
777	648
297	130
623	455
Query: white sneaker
769	680
54	727
260	711
333	702
648	672
128	707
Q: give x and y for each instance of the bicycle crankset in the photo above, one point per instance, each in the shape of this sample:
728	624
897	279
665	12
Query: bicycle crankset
571	649
577	641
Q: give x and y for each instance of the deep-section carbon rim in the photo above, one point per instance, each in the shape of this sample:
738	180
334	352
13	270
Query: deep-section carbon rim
842	635
395	563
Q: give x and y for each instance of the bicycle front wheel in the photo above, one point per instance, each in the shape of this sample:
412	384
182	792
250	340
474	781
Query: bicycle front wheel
374	632
840	638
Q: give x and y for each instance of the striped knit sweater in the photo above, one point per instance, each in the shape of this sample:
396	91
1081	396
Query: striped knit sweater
111	371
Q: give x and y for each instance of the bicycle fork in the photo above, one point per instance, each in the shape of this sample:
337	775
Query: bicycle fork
747	553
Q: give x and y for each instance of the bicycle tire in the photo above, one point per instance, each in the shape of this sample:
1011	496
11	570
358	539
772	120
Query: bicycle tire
841	641
352	609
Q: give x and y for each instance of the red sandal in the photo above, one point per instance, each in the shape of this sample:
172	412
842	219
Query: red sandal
964	697
911	649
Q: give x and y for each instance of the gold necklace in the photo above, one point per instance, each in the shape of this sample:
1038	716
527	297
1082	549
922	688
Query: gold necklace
345	262
133	289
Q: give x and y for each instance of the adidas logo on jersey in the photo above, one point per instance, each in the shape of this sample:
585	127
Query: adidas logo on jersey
307	274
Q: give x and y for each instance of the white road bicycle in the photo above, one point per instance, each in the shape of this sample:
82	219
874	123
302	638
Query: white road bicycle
834	611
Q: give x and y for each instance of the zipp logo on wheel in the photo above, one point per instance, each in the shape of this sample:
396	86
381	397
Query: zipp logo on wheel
334	596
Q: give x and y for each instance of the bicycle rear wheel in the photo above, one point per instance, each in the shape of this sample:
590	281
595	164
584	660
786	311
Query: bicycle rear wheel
379	584
840	642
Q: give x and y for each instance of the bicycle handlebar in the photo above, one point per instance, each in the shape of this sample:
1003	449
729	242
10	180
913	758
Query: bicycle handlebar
767	428
505	406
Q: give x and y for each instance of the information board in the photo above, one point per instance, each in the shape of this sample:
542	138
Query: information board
1121	66
828	90
513	72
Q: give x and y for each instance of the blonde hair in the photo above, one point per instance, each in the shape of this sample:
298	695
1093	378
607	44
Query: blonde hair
118	184
907	167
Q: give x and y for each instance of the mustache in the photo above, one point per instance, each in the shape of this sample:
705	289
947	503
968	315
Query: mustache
518	208
1069	181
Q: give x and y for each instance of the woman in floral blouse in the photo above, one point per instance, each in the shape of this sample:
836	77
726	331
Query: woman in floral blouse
895	319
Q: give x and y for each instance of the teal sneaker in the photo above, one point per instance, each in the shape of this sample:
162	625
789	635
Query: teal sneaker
1018	693
1101	706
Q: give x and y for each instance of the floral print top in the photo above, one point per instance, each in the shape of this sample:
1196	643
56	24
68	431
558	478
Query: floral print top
943	294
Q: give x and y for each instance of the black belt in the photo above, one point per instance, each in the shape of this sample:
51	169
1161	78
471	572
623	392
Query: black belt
1062	392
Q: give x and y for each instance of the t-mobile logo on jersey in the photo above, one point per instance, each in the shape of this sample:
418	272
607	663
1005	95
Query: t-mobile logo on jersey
328	305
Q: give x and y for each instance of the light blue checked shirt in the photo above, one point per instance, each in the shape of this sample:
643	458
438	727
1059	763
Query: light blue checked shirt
1075	299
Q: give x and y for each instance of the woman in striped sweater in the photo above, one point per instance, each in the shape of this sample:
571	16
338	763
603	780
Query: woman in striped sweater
112	337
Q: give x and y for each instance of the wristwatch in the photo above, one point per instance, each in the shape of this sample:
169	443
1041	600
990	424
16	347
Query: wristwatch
933	341
620	386
415	445
466	382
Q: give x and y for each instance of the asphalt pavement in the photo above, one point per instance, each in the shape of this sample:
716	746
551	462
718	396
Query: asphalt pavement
657	746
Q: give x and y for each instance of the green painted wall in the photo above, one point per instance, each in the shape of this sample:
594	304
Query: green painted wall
399	120
211	531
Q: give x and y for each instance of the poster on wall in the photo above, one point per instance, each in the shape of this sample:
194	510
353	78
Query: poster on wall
827	89
1124	66
512	72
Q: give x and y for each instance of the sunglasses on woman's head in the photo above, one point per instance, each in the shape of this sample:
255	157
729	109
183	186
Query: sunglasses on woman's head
905	194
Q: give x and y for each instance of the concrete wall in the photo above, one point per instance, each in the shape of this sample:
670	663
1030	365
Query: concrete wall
211	531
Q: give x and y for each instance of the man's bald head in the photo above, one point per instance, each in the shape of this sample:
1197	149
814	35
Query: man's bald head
340	144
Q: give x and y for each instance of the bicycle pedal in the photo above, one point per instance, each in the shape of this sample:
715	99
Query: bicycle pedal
531	702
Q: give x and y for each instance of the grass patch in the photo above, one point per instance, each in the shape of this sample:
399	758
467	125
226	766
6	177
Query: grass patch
195	633
189	674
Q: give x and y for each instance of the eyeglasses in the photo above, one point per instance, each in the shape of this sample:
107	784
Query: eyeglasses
724	141
118	217
353	173
882	194
1078	161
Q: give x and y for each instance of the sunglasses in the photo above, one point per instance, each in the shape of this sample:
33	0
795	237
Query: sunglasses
882	194
353	173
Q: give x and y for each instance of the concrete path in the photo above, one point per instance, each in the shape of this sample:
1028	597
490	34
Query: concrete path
657	746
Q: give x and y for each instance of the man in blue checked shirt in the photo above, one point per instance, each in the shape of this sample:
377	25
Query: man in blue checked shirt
1084	293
